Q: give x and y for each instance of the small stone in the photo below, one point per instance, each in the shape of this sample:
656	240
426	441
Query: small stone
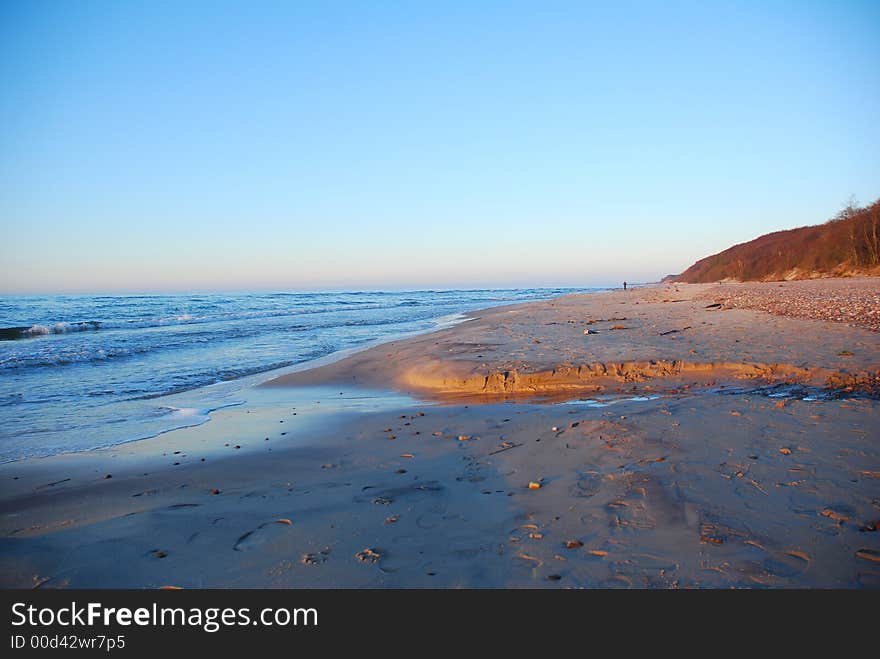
711	539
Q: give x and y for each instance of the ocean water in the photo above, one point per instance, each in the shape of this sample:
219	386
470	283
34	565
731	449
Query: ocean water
80	372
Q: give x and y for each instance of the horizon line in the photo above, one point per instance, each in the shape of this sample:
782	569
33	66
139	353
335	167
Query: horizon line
319	290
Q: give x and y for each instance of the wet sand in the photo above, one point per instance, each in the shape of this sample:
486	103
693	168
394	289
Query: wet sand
697	447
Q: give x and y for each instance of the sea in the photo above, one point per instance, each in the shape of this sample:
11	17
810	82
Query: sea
82	372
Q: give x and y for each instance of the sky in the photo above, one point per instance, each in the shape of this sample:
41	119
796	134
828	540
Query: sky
161	146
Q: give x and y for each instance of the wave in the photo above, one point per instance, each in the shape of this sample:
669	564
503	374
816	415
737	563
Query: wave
306	304
26	332
38	330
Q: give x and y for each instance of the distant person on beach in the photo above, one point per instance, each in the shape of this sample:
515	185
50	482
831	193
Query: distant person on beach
624	285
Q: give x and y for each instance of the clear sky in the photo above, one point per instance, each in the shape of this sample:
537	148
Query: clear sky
150	146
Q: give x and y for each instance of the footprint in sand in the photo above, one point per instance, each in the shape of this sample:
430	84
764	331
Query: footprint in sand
787	564
868	554
587	484
315	558
264	533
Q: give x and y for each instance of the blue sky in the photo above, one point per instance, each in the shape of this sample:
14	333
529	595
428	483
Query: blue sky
295	145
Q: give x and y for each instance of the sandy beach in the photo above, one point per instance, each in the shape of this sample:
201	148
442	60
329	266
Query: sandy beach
677	435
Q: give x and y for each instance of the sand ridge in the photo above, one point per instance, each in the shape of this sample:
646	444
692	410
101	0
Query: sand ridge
665	336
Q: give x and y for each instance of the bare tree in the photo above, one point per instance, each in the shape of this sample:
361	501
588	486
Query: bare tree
872	243
849	212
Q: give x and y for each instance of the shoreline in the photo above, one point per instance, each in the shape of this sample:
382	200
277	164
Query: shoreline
659	487
153	367
244	384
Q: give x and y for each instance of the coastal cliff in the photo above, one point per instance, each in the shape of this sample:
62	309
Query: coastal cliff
846	245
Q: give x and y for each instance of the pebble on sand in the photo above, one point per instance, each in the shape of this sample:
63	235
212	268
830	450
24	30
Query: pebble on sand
368	555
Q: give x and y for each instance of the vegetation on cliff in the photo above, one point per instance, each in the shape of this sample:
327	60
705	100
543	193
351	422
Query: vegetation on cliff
848	244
